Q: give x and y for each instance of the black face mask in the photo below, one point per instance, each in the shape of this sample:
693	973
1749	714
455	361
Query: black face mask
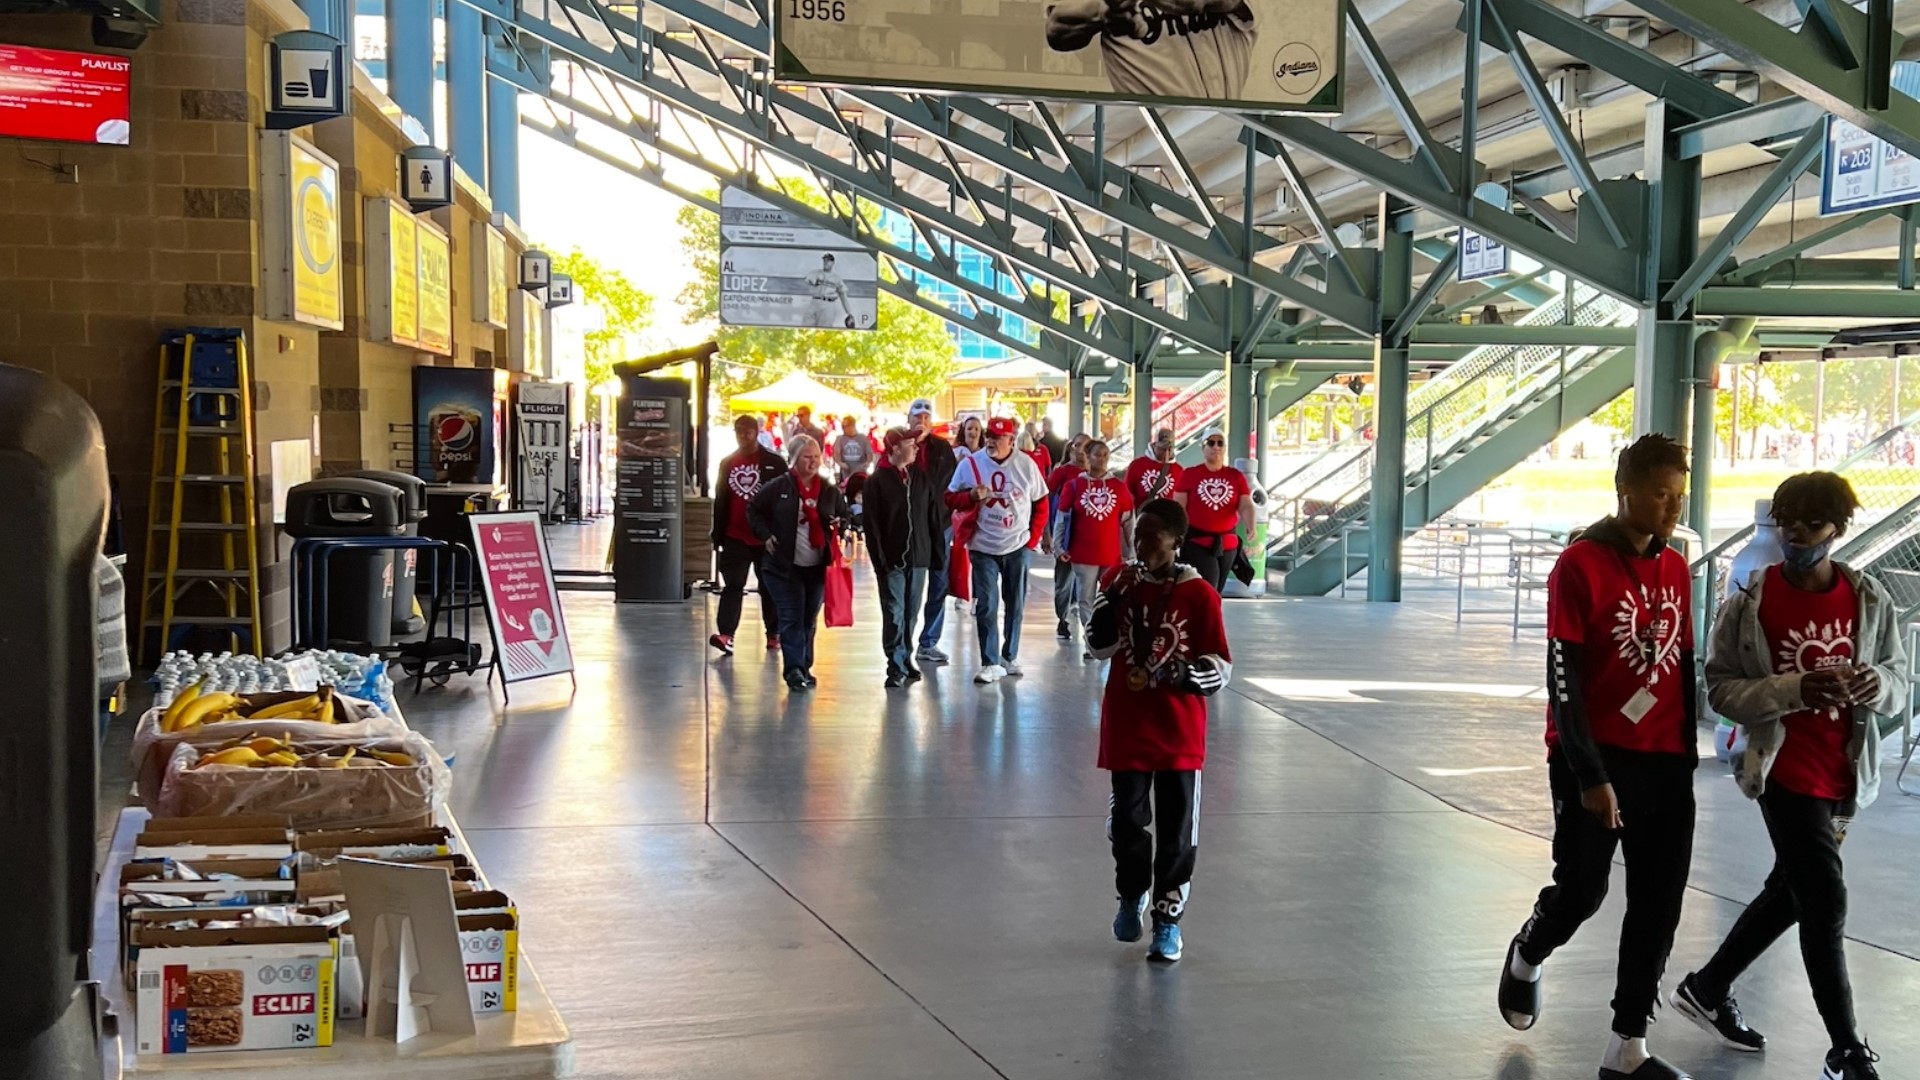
1802	558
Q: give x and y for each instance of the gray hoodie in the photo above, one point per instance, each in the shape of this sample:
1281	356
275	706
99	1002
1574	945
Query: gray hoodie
1742	685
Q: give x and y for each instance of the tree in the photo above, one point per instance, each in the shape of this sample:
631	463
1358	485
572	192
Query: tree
625	310
909	354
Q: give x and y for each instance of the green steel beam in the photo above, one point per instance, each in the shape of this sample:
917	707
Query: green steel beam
1424	297
1872	274
1757	267
1803	61
1891	304
1754	125
1494	292
1547	334
1440	161
1622	59
1805	154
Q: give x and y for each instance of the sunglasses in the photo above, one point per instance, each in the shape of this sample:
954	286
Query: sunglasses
1216	442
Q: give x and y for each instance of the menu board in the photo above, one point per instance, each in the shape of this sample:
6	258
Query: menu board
647	503
436	291
65	96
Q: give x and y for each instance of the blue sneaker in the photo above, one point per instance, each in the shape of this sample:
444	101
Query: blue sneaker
1127	924
1166	943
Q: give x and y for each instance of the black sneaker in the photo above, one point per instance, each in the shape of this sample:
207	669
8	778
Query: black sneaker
807	674
1651	1069
1519	999
895	680
913	674
1064	631
1723	1020
1851	1063
795	680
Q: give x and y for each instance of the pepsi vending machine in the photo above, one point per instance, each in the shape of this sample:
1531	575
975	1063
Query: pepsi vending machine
458	415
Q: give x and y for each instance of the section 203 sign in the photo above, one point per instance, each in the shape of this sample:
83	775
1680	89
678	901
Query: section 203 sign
1270	55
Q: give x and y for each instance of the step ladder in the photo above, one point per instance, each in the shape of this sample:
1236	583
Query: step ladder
208	575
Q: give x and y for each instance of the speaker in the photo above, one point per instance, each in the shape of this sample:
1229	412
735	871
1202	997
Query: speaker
116	33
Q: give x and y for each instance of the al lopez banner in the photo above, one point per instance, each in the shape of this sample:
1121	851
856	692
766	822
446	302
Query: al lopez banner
1267	55
799	288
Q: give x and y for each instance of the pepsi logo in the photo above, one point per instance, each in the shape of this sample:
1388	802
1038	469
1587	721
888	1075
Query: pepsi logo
457	432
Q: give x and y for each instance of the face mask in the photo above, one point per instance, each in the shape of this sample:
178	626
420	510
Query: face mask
1804	557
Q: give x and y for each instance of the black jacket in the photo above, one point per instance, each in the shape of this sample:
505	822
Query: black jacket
901	521
938	455
775	515
771	465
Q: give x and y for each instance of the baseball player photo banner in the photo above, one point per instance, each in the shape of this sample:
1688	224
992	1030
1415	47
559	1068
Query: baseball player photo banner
1267	55
799	288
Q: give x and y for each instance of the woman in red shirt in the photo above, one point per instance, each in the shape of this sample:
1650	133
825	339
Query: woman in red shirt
1809	659
1092	529
1218	501
1073	463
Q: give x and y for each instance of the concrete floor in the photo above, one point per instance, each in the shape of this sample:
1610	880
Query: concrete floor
719	879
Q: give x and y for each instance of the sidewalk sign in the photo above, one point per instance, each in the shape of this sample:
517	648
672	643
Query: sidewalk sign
523	607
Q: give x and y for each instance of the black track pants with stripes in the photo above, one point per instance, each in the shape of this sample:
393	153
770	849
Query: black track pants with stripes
1139	799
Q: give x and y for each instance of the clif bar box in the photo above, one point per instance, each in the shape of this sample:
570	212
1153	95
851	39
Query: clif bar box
268	988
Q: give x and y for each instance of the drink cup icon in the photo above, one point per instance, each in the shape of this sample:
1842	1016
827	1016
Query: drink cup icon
317	80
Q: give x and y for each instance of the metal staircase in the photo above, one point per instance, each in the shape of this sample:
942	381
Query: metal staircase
1467	426
1198	407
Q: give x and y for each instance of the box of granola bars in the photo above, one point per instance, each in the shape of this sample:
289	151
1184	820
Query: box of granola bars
261	988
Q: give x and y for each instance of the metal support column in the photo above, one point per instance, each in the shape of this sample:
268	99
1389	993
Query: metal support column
1076	403
410	55
503	147
467	89
1663	347
1392	360
1142	406
330	17
1242	427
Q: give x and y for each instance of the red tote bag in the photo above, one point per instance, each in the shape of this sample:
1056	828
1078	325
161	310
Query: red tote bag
959	563
839	595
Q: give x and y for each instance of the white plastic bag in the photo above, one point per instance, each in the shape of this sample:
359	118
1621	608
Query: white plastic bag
314	798
152	748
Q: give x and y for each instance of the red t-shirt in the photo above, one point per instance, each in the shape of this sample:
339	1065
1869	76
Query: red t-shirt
741	473
1213	501
1632	616
1097	507
1809	631
1041	459
1061	476
1148	479
1160	725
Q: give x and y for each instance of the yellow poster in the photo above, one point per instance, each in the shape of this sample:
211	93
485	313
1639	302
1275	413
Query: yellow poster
404	278
497	269
315	184
533	355
436	291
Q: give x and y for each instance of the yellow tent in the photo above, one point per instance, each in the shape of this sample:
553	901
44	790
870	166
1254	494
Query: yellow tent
795	390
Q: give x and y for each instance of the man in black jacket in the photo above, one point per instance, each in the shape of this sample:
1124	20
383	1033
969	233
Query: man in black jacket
936	462
735	545
904	539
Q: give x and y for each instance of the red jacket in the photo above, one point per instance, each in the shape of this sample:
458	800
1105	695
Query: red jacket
1151	717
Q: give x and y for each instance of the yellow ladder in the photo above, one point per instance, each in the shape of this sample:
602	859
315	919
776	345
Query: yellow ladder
203	473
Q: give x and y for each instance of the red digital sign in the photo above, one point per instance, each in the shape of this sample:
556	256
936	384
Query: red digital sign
64	96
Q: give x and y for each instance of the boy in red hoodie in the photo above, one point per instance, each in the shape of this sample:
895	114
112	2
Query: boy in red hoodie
1160	623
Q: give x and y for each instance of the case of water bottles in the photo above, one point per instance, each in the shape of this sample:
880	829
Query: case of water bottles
364	677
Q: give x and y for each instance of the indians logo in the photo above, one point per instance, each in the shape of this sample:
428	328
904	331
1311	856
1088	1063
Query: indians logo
1099	502
743	480
1216	493
1632	635
1819	647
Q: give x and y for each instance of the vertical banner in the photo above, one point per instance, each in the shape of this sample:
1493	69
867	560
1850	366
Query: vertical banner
491	269
454	425
648	526
516	573
436	290
405	295
300	232
540	445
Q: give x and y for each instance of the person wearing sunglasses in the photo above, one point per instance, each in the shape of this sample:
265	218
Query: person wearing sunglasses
1808	657
1219	504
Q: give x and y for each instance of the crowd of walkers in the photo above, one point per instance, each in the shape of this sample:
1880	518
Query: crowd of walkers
1806	657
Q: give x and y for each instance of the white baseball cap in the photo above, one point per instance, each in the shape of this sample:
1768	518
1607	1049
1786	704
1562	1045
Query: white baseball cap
920	406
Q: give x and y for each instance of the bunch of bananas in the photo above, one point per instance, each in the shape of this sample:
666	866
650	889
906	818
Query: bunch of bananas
266	751
194	708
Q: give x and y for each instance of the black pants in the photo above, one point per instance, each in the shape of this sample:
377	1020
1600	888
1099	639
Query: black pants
1805	887
1138	798
736	559
1656	812
797	596
1213	564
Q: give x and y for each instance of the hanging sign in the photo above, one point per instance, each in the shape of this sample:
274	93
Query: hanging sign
426	177
529	630
560	291
1482	256
436	291
307	73
1862	172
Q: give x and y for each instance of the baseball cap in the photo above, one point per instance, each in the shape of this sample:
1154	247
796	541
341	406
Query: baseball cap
894	437
1002	425
1163	437
920	407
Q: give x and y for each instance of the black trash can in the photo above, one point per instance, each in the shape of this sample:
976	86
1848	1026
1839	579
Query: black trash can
359	600
406	562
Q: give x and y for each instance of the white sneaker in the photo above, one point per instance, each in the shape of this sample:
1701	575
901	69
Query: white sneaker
992	673
1012	669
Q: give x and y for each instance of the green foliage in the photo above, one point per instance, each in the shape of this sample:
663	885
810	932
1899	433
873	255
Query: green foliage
908	355
625	309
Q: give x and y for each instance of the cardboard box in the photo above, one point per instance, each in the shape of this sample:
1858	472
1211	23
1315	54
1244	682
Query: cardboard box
489	947
203	991
317	848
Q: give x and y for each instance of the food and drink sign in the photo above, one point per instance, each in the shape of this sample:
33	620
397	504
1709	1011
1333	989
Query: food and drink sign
529	631
65	96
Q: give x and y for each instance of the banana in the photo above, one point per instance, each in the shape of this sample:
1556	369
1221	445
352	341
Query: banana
283	758
239	755
345	761
267	744
301	709
392	757
170	720
325	714
206	709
